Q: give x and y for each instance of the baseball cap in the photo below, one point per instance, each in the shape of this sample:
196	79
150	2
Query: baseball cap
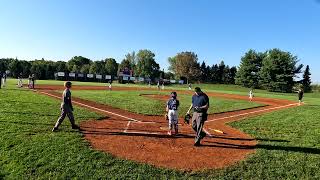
173	94
197	89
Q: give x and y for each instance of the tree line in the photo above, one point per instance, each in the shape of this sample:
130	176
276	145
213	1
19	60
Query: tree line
274	70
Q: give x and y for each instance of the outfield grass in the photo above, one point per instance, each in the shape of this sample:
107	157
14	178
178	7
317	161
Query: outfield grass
288	145
29	150
131	101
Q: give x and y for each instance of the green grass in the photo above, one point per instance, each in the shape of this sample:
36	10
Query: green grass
131	101
288	145
29	150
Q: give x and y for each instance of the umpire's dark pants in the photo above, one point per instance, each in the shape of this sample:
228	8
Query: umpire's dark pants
198	120
65	111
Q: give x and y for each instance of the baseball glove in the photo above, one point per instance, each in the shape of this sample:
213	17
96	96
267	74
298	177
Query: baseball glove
166	117
187	118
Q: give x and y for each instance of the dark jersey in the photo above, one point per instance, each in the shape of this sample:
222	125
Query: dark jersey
200	100
300	94
173	104
66	98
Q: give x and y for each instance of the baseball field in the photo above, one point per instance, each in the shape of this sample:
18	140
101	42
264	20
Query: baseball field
123	134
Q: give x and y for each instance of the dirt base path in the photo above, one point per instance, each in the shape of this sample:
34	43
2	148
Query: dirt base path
144	138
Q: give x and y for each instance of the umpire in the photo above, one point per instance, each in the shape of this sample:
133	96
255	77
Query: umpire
200	105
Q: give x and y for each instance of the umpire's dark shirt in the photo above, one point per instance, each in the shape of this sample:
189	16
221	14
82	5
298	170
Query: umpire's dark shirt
200	100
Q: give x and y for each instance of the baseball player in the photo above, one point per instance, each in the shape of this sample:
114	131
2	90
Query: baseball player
4	79
158	85
20	84
250	95
300	95
0	79
149	84
66	108
162	87
200	105
32	80
172	110
110	86
190	86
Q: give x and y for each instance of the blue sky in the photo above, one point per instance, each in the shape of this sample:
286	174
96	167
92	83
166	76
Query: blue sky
214	29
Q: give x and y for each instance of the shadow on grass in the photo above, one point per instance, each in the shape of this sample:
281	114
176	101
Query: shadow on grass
206	143
237	110
266	147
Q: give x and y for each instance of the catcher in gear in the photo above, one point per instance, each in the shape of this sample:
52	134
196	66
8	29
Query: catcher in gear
172	110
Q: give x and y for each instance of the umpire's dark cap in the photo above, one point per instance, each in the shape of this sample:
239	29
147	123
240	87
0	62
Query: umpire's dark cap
197	89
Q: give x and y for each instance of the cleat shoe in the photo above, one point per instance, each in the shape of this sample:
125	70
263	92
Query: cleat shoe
197	144
75	127
54	129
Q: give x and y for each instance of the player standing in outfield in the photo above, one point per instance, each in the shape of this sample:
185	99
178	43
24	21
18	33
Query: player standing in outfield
250	95
33	78
110	85
20	84
0	79
149	84
66	108
190	88
162	86
4	79
172	110
200	105
158	85
300	95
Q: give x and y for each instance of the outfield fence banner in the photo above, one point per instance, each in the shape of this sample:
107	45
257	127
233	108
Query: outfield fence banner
98	76
141	79
132	78
108	76
125	78
72	74
61	74
89	75
81	75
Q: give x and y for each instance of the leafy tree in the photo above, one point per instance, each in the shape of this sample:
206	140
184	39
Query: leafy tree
85	69
186	65
221	72
278	70
306	81
250	65
75	68
79	61
146	65
132	58
204	72
111	66
93	68
214	73
61	66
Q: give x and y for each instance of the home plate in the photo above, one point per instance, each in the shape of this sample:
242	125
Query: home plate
217	131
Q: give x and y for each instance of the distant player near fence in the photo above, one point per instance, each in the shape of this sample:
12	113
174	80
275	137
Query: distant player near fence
300	95
251	95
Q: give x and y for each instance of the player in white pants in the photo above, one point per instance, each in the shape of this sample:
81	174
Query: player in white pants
172	109
250	95
20	84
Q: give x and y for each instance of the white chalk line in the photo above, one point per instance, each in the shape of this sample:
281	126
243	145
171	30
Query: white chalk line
207	132
125	130
91	107
237	115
